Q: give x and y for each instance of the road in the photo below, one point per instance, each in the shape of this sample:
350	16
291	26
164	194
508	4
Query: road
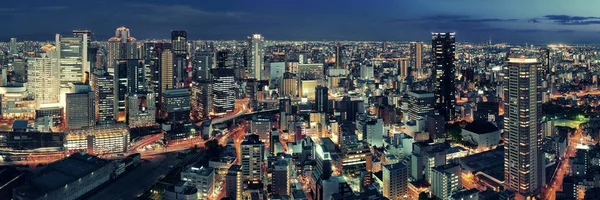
549	192
578	94
135	182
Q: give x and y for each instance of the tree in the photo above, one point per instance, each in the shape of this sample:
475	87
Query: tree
454	132
423	196
213	147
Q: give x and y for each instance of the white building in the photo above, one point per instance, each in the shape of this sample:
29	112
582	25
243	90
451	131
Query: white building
445	180
481	133
256	44
44	77
72	57
203	178
112	138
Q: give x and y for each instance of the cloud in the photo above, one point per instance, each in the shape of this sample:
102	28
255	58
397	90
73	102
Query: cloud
572	20
8	9
452	19
534	20
52	8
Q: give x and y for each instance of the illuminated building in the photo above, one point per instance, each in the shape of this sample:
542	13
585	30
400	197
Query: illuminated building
122	46
443	47
203	178
203	62
103	86
44	76
420	104
166	73
277	69
416	58
281	178
445	180
395	181
311	71
308	88
80	107
261	126
322	99
113	138
253	154
12	48
338	56
72	58
223	90
141	110
367	72
179	42
181	191
233	183
322	171
289	85
522	118
15	102
201	99
129	78
177	104
356	157
256	66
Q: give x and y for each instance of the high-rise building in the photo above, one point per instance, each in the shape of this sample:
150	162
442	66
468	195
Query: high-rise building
289	85
122	46
203	178
281	178
179	41
12	48
180	61
44	76
420	104
166	73
177	104
72	58
338	56
203	62
233	183
395	181
416	58
522	119
256	44
129	78
201	99
253	154
102	84
80	107
443	47
141	110
322	99
223	90
445	180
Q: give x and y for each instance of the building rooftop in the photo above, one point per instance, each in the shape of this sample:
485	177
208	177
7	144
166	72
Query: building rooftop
481	127
20	124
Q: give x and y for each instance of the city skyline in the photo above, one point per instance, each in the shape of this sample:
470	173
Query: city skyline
508	21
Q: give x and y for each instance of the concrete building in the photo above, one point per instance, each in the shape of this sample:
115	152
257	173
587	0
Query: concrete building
481	133
523	108
80	110
177	104
15	102
103	86
223	90
203	178
420	104
445	180
141	109
233	183
442	48
43	77
253	154
112	138
256	44
72	58
281	178
395	181
67	179
181	191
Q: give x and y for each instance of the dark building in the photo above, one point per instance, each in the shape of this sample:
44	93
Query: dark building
443	47
180	62
321	99
487	111
129	77
177	104
338	56
436	126
179	41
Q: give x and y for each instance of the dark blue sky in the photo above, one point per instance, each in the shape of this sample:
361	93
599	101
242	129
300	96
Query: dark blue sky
515	21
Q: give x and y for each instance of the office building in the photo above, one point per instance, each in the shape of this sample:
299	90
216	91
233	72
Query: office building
281	178
203	178
177	104
44	77
181	191
128	78
112	138
223	90
201	99
445	180
12	47
16	102
416	59
523	109
322	171
367	72
322	99
80	110
166	71
276	73
69	178
256	66
289	85
72	58
202	64
141	110
102	84
253	154
420	104
121	46
233	183
338	56
179	41
395	181
443	47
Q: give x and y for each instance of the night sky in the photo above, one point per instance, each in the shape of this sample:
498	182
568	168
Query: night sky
514	21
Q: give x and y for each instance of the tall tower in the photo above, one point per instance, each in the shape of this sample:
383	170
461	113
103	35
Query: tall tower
416	58
338	56
443	46
179	41
256	65
12	48
44	76
180	62
522	108
72	57
122	46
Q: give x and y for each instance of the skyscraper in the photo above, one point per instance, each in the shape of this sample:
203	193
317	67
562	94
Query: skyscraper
253	153
443	46
102	84
256	65
223	90
201	98
281	178
203	62
44	76
166	72
72	58
12	48
395	181
80	107
338	56
233	183
416	58
522	118
122	46
180	62
129	78
322	99
179	41
177	104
